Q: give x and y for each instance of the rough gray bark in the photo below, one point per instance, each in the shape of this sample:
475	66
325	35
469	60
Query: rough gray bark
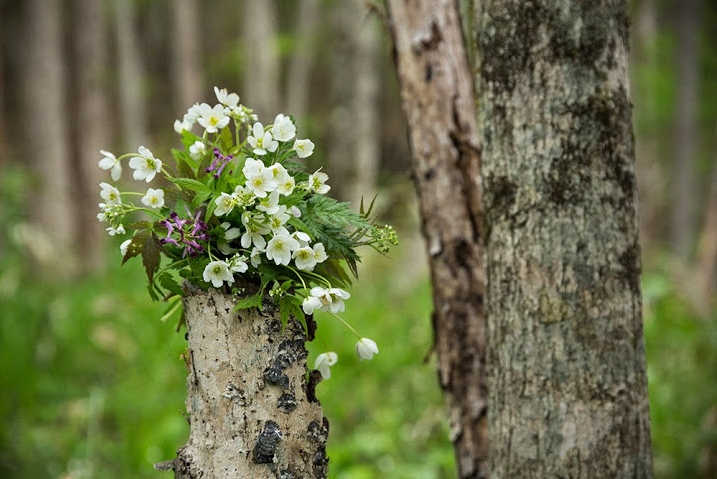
437	95
567	382
252	413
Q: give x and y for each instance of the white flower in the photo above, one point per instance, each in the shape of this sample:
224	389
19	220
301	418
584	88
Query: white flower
238	264
259	179
230	99
310	304
283	129
331	299
301	237
119	230
212	119
197	150
320	253
280	247
217	272
124	246
304	258
261	140
324	361
255	230
225	204
269	204
317	183
193	113
181	126
255	257
304	148
154	198
145	165
295	212
366	348
110	194
110	162
230	232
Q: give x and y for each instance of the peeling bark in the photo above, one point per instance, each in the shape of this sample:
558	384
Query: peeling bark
437	95
252	412
567	381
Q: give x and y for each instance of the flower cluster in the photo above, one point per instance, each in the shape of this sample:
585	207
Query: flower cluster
242	214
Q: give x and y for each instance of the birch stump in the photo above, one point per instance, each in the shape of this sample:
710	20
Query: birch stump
252	412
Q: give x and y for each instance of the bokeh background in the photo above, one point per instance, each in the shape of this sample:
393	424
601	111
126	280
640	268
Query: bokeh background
91	380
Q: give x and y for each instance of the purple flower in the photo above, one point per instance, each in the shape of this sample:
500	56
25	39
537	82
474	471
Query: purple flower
219	163
189	233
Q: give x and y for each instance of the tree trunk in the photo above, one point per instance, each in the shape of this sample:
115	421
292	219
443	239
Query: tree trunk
91	128
438	101
302	59
252	413
567	382
261	58
185	54
132	111
684	167
47	131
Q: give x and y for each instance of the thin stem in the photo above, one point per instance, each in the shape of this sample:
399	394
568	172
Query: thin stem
345	323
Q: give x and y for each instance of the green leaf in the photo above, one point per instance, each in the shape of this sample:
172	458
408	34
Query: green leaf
226	140
174	307
255	300
190	184
151	255
290	305
170	284
136	244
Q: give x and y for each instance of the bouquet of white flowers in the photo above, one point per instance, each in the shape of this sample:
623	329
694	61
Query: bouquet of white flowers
242	215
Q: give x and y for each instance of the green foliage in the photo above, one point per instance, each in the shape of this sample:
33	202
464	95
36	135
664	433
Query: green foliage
682	367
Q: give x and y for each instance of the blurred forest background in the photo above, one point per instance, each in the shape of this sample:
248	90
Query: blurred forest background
91	380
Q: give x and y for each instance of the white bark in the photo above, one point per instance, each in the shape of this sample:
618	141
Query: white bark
252	412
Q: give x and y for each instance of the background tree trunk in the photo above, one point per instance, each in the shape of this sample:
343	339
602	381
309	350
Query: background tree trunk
91	125
133	114
252	414
302	60
47	129
186	59
261	59
684	172
438	101
567	382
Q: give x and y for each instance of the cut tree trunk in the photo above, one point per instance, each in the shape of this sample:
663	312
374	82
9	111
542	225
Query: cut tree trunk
438	100
252	413
567	379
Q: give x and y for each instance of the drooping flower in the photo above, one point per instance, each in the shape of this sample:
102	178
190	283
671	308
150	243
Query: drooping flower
279	249
331	299
110	194
310	304
124	246
116	230
110	162
145	166
217	272
212	119
304	148
317	183
261	141
323	363
154	198
366	348
283	129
